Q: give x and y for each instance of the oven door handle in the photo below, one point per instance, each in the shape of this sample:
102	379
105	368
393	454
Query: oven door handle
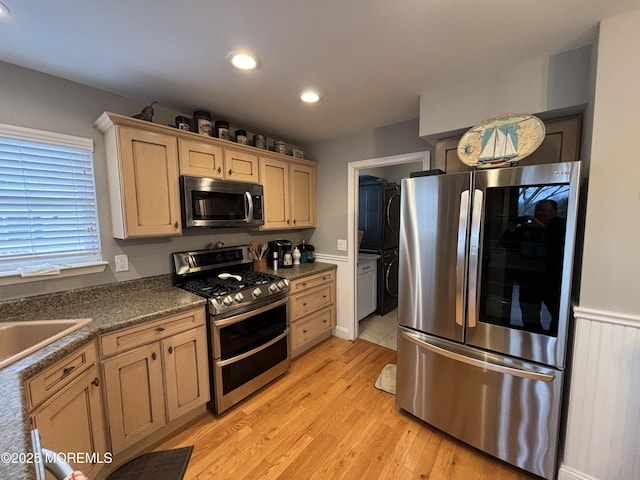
229	361
223	322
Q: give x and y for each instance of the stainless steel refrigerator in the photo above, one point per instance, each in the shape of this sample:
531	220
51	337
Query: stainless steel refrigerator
486	260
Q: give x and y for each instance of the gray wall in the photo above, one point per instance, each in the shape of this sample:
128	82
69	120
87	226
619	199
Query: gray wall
334	157
34	100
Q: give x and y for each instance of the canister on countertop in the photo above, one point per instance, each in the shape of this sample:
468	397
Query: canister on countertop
241	137
280	147
260	141
203	122
222	130
182	123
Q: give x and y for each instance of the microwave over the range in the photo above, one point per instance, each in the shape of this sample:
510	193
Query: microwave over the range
207	202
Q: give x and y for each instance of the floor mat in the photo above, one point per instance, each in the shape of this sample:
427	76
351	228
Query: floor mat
165	465
386	381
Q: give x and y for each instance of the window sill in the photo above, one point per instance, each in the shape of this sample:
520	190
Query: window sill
14	277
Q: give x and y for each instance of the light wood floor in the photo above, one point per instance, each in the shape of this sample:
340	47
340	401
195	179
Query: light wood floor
325	420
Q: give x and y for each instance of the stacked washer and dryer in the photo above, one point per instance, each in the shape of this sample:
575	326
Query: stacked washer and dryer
379	219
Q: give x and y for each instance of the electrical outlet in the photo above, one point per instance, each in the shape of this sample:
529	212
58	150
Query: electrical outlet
122	263
342	245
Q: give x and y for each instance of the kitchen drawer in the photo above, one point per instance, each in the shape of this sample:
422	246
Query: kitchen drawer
311	301
311	281
128	338
44	384
312	328
365	267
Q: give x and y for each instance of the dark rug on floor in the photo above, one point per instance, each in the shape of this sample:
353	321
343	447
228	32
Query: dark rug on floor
165	465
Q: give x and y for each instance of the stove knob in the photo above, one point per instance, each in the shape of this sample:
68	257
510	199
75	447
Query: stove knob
228	300
280	285
273	288
238	298
256	293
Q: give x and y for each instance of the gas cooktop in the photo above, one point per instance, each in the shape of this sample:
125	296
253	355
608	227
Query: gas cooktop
224	276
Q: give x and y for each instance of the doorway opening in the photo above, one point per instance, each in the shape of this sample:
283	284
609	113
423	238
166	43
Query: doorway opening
392	169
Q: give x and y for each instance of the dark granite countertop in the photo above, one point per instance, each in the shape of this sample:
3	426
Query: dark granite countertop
111	307
302	270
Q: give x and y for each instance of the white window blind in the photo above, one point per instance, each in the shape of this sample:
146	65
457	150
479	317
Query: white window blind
48	212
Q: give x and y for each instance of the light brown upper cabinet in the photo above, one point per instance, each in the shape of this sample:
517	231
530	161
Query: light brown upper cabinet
142	167
561	144
289	193
208	158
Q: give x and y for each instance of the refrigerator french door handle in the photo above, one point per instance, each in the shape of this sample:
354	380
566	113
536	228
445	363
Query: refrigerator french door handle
494	367
474	257
461	255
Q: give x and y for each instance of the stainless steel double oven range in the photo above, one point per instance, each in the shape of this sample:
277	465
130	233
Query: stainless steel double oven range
247	322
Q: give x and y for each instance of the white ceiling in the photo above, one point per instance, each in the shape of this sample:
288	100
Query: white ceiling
371	59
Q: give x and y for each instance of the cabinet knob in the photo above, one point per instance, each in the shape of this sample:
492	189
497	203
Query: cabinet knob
229	172
219	169
288	221
96	381
304	331
170	350
294	221
153	356
304	304
175	225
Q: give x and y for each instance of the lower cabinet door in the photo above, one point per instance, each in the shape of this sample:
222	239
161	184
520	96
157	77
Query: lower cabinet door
135	395
72	422
186	371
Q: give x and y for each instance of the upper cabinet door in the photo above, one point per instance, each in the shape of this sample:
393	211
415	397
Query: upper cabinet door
200	159
303	195
561	144
240	166
143	174
274	174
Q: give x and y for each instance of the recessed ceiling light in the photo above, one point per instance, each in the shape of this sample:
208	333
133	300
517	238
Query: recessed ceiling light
309	96
4	10
243	60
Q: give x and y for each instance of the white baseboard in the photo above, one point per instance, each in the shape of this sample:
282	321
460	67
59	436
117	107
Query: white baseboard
568	473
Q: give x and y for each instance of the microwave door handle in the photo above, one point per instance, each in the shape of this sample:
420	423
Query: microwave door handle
463	220
249	198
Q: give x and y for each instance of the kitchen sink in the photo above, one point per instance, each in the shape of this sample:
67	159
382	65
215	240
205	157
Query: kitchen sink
19	339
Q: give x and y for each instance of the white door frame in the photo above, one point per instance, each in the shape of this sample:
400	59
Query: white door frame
352	222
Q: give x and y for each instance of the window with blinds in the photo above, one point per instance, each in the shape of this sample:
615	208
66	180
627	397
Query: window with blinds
48	211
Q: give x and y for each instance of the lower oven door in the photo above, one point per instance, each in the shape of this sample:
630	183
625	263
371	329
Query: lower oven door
250	350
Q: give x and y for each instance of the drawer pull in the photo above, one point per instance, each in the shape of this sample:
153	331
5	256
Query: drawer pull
304	331
67	371
160	329
170	350
304	284
153	356
304	304
96	381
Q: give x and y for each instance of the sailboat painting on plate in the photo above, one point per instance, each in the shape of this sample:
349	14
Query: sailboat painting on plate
501	140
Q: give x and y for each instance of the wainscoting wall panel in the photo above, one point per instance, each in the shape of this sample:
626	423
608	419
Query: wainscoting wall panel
603	421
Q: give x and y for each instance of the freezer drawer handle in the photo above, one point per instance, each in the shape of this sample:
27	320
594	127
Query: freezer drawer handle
516	372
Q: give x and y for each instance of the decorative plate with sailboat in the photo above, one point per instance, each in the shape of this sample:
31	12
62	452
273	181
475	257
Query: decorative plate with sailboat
502	140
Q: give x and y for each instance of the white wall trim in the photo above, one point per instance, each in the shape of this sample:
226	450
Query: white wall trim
568	473
352	223
343	318
603	316
603	398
